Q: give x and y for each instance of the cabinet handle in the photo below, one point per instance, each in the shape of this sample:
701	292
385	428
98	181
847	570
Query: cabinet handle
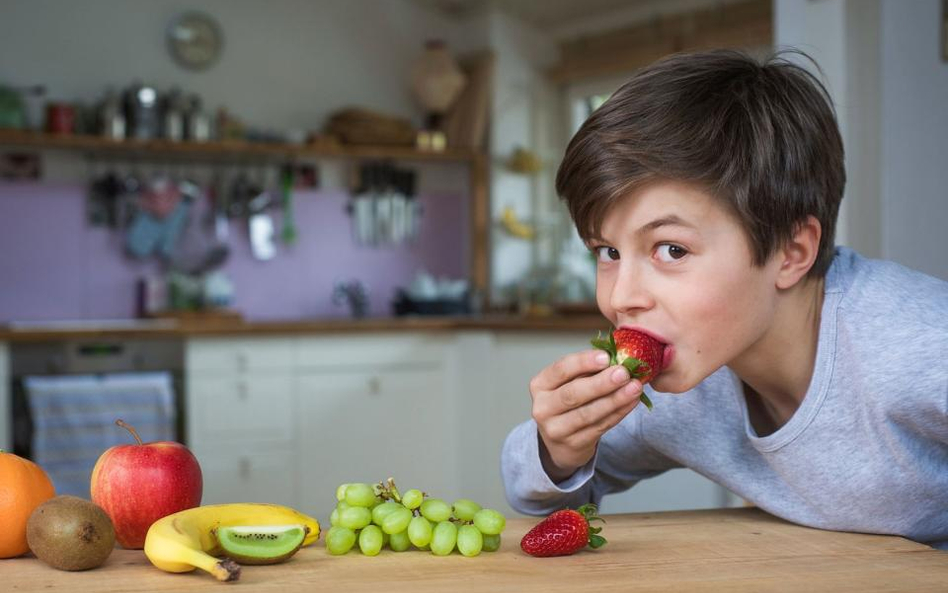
375	386
244	468
242	391
242	361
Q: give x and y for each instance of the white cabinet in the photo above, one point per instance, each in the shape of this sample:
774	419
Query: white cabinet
288	419
240	411
249	473
366	426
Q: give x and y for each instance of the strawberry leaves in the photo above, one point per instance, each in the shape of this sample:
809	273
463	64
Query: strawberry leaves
588	511
637	368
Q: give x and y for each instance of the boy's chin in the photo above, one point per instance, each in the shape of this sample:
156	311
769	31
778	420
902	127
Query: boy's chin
669	383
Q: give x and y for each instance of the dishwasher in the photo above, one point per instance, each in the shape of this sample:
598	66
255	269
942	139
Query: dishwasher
66	396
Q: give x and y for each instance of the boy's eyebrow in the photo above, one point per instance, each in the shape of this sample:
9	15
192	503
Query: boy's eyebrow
669	220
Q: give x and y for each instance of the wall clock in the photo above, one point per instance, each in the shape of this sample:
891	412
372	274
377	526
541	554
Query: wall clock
195	40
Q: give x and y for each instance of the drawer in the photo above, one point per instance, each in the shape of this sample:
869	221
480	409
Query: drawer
222	354
370	351
233	408
246	474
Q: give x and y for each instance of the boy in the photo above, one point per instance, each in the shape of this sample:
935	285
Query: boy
811	382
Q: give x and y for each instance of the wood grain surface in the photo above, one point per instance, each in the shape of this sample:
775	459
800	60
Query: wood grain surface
732	550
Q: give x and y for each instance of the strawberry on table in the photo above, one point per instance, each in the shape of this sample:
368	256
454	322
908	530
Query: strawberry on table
641	354
563	533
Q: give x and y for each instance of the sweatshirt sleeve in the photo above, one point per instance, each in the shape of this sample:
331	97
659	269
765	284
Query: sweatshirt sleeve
622	459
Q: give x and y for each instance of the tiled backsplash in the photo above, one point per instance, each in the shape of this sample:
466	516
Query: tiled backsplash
53	265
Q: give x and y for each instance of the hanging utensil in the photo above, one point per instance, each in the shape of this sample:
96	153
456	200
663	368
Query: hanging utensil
289	223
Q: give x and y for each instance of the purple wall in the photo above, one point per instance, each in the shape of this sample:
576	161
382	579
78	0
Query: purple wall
54	266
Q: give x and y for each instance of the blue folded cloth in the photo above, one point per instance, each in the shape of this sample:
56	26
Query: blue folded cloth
74	420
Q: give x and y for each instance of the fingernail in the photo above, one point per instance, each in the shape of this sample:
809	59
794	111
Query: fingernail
632	387
602	358
620	375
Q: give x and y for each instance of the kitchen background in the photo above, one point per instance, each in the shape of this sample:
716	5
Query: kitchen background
491	236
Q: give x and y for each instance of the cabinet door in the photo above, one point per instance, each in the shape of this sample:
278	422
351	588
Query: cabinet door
248	474
367	426
240	407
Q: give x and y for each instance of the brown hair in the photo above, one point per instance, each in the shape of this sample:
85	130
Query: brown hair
761	137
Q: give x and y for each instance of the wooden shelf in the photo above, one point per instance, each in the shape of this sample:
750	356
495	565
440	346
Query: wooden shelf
229	149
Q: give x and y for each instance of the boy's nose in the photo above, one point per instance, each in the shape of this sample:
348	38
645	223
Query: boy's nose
631	292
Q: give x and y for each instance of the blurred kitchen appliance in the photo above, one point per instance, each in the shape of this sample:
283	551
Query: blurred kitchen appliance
85	357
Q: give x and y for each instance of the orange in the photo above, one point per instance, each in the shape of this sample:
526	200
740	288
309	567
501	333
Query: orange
23	487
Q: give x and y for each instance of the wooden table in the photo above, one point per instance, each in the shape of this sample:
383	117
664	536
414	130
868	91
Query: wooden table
720	550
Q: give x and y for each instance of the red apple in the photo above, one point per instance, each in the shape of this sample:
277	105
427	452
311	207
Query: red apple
138	484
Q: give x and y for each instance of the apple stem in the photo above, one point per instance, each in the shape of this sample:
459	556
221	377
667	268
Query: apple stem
129	428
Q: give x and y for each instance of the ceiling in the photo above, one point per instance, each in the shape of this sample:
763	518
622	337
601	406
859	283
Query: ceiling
563	19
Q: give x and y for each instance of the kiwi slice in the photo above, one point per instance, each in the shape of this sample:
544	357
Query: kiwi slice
261	544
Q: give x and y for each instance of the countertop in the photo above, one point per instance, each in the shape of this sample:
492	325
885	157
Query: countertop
185	328
731	550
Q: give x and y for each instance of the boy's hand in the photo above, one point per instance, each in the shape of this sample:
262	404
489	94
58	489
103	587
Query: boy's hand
575	401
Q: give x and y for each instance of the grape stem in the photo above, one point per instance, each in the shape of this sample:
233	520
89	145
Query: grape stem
393	490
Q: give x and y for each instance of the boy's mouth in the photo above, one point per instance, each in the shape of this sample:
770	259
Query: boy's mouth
668	351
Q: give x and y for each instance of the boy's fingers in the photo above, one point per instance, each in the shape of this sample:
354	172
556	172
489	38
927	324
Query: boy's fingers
578	393
596	416
568	368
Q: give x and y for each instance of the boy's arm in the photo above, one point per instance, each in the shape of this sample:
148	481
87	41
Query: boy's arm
622	459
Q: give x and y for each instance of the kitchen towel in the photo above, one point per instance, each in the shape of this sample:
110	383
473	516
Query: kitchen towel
74	420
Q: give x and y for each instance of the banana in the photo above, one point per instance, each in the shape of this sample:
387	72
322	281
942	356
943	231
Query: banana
514	226
185	540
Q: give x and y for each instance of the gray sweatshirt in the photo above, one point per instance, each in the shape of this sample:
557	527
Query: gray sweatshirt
867	450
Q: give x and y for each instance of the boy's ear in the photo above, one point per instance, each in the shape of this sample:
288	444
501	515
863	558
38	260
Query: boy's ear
799	253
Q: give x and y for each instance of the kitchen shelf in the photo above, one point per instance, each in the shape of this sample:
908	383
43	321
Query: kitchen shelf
223	149
239	150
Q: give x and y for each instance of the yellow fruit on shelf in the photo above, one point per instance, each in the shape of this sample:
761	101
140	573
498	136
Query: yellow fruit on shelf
514	226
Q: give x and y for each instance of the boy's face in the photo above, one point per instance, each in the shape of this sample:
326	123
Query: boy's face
674	263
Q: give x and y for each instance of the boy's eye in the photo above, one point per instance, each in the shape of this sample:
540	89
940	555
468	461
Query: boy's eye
606	254
669	252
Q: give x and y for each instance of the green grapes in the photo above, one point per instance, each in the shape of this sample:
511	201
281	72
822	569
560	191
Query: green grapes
491	543
359	495
376	516
396	521
412	499
383	510
370	540
399	542
340	540
464	509
470	540
435	510
444	538
419	532
355	517
489	521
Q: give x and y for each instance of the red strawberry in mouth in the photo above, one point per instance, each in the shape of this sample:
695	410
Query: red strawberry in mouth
641	354
563	533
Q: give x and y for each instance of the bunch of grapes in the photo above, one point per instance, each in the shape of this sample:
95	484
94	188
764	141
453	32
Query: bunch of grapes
378	515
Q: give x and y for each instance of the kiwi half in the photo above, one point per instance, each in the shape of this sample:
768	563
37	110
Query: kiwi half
261	544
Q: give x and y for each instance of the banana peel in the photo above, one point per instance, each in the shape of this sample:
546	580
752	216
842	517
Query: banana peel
186	540
516	227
